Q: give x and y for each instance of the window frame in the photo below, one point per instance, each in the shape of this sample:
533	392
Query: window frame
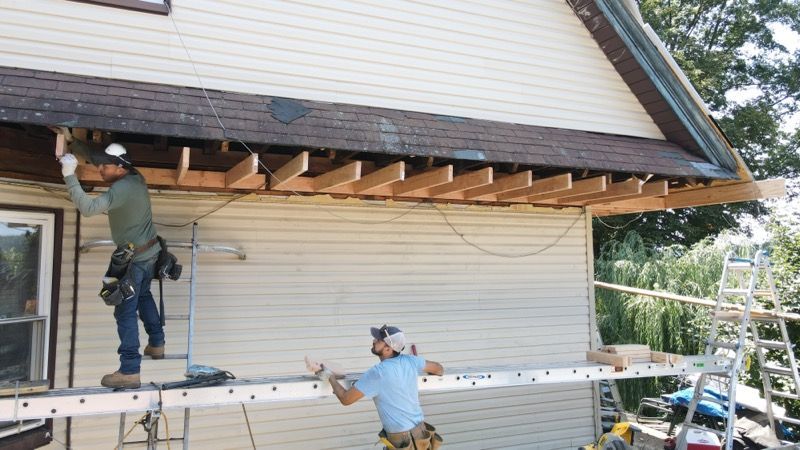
133	5
38	433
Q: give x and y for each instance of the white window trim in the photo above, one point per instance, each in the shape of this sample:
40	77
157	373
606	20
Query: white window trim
45	284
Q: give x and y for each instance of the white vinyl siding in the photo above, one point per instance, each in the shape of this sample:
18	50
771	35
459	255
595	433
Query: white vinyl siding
313	283
524	62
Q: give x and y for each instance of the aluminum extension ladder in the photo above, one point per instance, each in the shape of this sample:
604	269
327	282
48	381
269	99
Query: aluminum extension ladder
742	279
151	419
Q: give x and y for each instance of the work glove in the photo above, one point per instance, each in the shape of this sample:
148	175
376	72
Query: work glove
325	374
68	164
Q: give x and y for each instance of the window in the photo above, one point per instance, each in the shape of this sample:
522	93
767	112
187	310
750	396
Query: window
27	255
153	6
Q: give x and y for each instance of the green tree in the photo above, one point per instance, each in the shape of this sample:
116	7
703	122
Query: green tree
728	46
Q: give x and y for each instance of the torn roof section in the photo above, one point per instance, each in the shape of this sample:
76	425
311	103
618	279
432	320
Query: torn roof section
653	76
46	98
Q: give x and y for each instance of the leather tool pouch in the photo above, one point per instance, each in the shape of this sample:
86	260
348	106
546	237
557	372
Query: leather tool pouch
167	267
117	286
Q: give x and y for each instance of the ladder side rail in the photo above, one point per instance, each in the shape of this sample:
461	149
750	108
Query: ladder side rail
784	331
699	387
765	378
737	363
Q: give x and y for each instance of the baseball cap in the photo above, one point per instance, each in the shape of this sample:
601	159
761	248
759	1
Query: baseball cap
392	336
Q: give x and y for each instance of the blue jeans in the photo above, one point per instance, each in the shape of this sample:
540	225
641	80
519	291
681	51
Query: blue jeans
140	274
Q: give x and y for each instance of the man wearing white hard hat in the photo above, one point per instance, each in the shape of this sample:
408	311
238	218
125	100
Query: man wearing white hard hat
126	285
392	385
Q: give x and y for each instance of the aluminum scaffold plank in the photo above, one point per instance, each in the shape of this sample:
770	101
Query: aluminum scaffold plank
91	401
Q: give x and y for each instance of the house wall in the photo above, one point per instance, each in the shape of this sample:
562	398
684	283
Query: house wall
317	276
523	62
11	194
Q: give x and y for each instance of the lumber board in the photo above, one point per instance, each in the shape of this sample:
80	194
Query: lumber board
550	184
425	180
289	171
516	181
61	145
183	165
335	178
631	186
666	358
729	193
626	348
462	183
608	358
653	189
241	172
380	178
580	187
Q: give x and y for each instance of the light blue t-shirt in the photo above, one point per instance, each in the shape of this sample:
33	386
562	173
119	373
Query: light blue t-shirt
392	385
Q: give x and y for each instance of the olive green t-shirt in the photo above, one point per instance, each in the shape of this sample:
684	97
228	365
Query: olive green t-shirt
127	203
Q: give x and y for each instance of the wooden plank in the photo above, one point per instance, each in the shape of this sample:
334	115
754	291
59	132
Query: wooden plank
508	183
621	361
653	189
239	173
224	146
729	193
380	178
61	145
628	187
292	169
741	192
463	182
551	184
183	165
165	177
343	175
666	358
626	348
580	187
425	180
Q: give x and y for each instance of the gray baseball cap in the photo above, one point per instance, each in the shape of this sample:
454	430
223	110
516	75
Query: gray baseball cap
392	336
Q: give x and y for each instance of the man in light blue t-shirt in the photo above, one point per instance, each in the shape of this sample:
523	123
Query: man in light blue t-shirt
392	385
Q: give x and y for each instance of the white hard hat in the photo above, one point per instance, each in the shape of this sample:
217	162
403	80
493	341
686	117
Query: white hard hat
116	154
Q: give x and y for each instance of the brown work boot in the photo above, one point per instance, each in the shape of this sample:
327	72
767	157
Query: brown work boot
154	352
121	380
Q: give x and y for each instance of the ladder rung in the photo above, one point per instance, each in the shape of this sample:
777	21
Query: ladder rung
790	395
744	292
176	317
716	400
728	345
778	370
791	420
730	316
774	345
173	356
740	265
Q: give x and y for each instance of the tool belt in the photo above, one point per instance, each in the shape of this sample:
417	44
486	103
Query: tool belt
421	437
117	286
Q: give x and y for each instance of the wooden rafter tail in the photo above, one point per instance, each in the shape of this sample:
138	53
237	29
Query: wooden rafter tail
550	184
238	175
338	177
183	166
729	193
631	186
648	190
417	184
61	145
380	178
580	187
489	192
289	171
461	183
